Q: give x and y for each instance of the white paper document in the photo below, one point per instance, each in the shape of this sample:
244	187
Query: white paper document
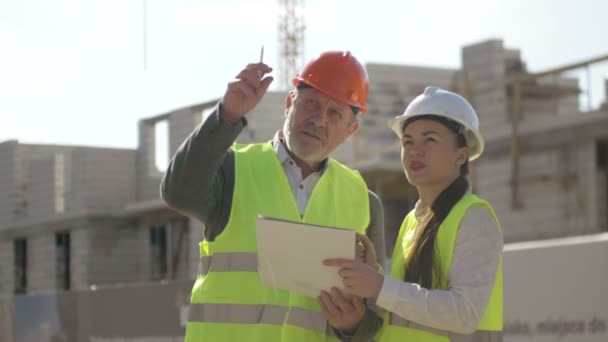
290	255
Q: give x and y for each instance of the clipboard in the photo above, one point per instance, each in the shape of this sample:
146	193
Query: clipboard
290	255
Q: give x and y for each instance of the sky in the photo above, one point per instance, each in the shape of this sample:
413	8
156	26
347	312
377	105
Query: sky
73	72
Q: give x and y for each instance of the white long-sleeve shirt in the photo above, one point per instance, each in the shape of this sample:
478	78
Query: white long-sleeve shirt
471	279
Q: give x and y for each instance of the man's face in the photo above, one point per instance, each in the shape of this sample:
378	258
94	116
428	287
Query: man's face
316	124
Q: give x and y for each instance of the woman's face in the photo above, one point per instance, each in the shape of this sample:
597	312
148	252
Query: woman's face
430	155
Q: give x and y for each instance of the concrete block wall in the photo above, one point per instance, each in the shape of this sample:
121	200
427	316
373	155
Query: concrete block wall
8	174
113	252
543	107
109	180
181	124
80	255
45	179
567	105
553	190
41	263
14	183
102	252
7	323
513	61
76	198
42	182
583	160
393	87
6	268
485	65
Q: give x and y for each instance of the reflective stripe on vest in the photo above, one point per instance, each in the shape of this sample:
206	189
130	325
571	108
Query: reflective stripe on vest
237	313
477	336
229	262
258	314
312	320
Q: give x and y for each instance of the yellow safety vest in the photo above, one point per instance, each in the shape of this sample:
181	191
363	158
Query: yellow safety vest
229	303
399	329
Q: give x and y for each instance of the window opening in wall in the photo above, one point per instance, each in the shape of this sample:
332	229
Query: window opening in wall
161	145
602	172
158	252
20	265
602	155
62	244
177	241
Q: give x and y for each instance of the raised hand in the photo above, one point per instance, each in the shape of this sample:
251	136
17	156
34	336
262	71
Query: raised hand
245	91
359	279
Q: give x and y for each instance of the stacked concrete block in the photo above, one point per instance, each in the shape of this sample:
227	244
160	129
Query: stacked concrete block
110	179
393	87
41	255
6	268
82	181
9	202
45	191
54	188
553	191
80	255
16	206
114	251
76	198
583	162
484	64
7	324
559	105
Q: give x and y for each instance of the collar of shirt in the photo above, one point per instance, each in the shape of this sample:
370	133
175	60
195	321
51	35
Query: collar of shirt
300	188
281	151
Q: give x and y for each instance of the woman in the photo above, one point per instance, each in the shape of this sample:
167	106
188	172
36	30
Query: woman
445	282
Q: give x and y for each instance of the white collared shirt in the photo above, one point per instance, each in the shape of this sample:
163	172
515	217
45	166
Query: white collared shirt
301	188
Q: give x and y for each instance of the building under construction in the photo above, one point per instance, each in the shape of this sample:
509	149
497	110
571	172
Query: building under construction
84	233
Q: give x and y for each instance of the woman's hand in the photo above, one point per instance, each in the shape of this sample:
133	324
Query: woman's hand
369	252
359	278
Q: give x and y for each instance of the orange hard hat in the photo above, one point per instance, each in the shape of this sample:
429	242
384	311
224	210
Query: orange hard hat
337	74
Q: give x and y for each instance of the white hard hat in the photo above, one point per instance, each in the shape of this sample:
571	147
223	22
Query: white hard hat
443	103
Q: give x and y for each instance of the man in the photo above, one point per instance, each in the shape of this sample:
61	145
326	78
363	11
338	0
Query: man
227	186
